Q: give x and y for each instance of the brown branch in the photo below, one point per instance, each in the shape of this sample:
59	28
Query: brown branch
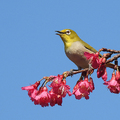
76	72
107	55
113	58
109	50
86	69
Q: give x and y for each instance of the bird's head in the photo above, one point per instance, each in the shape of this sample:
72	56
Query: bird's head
68	35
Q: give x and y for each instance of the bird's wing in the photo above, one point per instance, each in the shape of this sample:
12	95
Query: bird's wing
110	65
87	46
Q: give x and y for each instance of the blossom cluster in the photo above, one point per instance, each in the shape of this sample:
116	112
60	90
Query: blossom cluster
99	64
83	88
58	91
114	83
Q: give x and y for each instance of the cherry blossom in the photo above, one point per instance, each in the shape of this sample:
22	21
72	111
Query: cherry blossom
113	85
94	58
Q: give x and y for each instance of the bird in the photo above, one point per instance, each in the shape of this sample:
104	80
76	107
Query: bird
75	47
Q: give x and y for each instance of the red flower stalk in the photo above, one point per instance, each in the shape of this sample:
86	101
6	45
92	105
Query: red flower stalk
118	76
91	84
102	60
101	70
104	77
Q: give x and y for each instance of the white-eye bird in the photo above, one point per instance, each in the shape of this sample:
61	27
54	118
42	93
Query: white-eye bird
75	48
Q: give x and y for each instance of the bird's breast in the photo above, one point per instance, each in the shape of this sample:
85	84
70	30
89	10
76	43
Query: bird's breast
76	54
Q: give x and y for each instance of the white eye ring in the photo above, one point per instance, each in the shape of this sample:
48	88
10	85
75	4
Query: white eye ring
68	32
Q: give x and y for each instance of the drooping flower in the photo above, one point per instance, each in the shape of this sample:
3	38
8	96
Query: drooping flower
101	70
76	92
118	76
84	85
113	85
55	99
91	84
57	81
63	89
94	59
43	97
32	88
59	86
59	100
83	88
104	76
34	94
102	60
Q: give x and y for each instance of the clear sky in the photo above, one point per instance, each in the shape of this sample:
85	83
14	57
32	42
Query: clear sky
29	50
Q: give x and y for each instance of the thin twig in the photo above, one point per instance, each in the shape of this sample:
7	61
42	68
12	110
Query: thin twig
76	72
109	50
113	58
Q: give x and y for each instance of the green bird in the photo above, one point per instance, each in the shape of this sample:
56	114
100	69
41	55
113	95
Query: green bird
75	47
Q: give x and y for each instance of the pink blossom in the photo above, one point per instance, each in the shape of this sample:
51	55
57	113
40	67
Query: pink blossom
43	97
32	88
94	58
59	99
33	94
118	76
54	98
83	88
84	85
76	92
59	86
91	84
101	70
113	85
57	80
102	60
104	77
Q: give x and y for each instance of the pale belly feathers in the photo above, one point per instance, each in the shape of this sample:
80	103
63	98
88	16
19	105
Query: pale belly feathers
76	54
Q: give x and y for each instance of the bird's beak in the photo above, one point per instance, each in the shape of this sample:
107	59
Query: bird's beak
59	32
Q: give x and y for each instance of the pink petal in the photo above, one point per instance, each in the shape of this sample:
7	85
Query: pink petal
27	88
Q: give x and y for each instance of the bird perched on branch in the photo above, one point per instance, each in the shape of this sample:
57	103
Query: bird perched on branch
75	48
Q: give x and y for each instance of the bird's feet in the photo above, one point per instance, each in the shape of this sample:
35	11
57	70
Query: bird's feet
71	71
90	67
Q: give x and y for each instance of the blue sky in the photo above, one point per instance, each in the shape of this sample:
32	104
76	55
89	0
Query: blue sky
29	50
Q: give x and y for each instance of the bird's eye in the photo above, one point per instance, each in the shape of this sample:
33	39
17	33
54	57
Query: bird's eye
68	32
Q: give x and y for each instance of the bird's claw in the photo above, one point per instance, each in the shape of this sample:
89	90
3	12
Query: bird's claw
71	72
90	67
